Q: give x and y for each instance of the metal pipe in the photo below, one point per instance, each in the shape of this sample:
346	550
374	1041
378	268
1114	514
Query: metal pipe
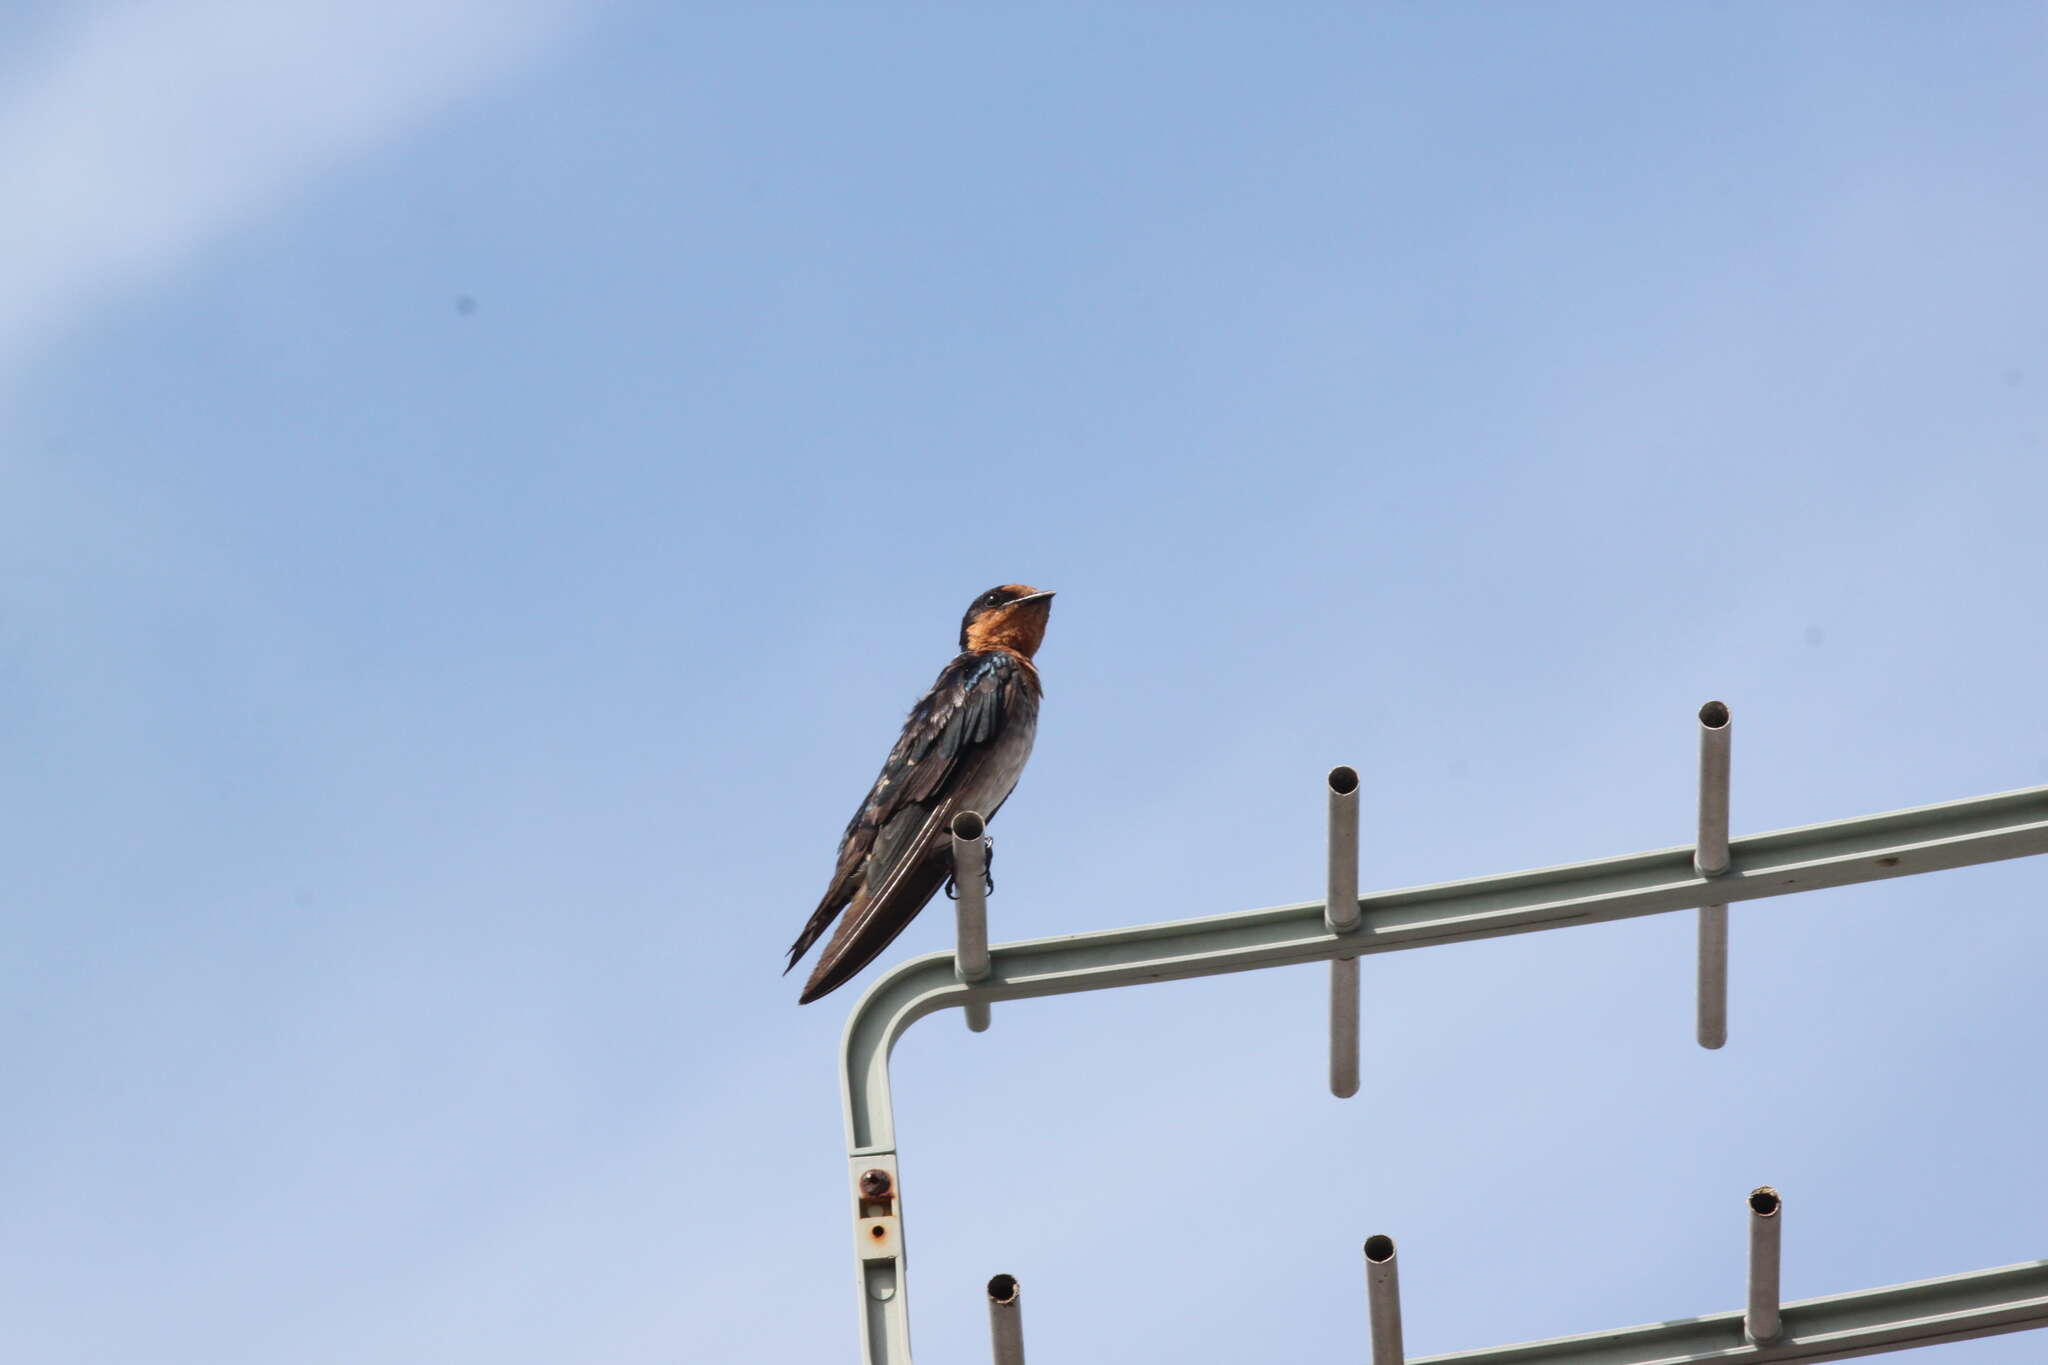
1344	1027
1340	905
1383	1299
1761	1323
1005	1320
970	908
1710	855
1713	983
1340	915
1710	859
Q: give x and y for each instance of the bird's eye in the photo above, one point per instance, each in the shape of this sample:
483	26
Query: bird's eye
991	599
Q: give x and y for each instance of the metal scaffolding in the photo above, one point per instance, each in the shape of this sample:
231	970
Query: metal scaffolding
1710	875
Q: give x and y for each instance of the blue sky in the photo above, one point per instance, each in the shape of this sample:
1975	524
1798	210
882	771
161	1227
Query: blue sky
427	727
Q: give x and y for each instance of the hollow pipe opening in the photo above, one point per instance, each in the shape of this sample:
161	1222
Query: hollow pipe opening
1379	1248
968	825
1002	1289
1764	1201
1343	779
1714	715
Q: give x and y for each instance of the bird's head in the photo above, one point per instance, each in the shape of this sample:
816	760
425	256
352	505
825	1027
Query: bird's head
1010	617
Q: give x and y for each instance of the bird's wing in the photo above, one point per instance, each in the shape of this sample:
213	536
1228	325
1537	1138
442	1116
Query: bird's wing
889	860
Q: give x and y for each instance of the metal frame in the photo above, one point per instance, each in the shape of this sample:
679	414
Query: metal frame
1899	1317
1870	848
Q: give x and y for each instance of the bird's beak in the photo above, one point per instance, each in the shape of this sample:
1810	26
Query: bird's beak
1045	596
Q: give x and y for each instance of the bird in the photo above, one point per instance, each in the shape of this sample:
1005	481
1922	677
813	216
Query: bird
963	748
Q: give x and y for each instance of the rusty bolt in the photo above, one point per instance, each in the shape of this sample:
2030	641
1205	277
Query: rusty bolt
874	1184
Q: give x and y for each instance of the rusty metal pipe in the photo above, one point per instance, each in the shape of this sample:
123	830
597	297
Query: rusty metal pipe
1005	1320
970	909
1710	859
1383	1299
1761	1323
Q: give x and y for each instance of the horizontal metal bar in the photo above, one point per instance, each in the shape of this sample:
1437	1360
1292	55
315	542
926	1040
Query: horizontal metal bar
1984	1303
1846	852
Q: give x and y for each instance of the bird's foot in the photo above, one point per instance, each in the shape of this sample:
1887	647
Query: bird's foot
988	872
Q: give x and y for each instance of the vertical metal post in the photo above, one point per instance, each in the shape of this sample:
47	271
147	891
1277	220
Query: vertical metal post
1383	1299
878	1250
1710	859
970	905
1344	1027
1005	1320
1760	1323
1340	916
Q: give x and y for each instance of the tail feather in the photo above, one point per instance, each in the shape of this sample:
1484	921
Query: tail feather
820	920
870	926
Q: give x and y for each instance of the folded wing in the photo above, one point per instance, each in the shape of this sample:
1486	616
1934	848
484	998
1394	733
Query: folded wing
960	746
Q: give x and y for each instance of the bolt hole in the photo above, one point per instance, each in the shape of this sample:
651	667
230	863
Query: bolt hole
878	1232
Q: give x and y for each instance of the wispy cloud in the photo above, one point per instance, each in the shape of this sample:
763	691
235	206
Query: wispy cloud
144	130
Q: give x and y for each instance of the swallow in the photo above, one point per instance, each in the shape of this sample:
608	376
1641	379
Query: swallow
963	748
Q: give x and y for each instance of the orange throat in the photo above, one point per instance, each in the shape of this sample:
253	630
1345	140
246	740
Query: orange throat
1019	631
